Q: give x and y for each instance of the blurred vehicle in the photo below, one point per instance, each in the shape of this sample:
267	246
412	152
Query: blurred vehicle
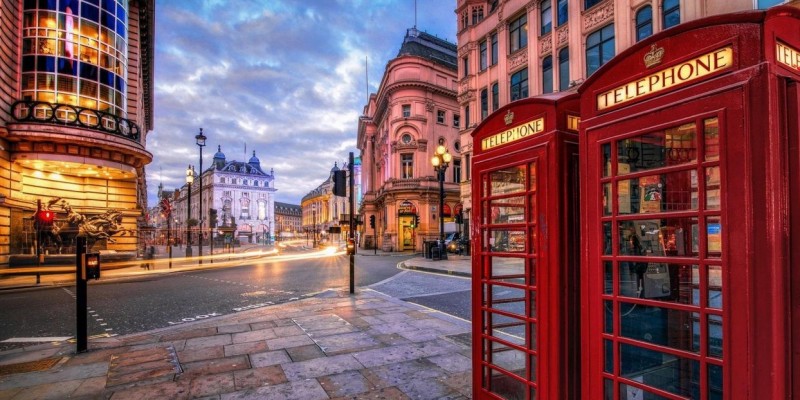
451	241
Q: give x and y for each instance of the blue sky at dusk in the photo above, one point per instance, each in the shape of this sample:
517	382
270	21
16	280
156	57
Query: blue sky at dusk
285	78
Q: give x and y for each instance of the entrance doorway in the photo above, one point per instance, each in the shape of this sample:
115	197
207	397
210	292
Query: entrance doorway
406	239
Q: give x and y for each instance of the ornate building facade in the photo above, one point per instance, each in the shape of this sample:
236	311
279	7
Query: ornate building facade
322	210
241	193
513	49
288	220
414	111
76	99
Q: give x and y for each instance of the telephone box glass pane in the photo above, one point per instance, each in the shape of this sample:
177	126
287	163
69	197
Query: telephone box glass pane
508	299
533	176
715	286
714	237
607	204
608	356
507	269
664	371
508	180
512	241
669	237
605	150
673	283
714	382
627	392
532	374
711	138
715	336
658	193
510	329
507	358
608	280
506	387
665	148
712	188
509	210
660	326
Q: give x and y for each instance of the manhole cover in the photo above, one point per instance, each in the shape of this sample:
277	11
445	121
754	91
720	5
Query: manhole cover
31	366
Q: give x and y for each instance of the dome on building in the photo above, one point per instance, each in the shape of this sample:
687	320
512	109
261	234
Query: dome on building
219	153
219	158
335	167
254	160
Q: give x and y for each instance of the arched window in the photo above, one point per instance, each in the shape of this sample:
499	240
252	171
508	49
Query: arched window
599	48
672	13
547	75
563	69
644	23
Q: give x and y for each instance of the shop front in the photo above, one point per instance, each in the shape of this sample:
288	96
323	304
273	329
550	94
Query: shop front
689	214
406	225
525	250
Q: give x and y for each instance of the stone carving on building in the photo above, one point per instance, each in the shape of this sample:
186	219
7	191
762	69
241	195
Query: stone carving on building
95	227
562	35
518	59
598	16
546	44
429	106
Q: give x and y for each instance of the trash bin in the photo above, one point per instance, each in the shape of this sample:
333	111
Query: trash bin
427	246
436	252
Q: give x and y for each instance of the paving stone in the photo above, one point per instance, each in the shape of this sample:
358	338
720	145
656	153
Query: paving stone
254	336
394	317
420	335
301	390
209	341
365	312
452	362
189	334
348	383
347	342
289	330
25	356
384	328
303	353
61	374
320	322
437	347
389	393
93	356
439	325
283	322
9	393
397	374
320	367
204	353
462	382
256	377
387	355
233	328
427	389
333	331
209	385
143	376
55	390
245	348
214	366
91	387
164	390
392	339
256	326
269	358
289	341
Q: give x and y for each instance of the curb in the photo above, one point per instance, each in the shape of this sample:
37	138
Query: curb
434	270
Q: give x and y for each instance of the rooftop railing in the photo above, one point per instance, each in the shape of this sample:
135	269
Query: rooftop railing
64	114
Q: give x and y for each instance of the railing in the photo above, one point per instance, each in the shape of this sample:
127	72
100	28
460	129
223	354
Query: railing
63	114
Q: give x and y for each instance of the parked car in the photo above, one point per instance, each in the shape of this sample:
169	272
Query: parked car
451	241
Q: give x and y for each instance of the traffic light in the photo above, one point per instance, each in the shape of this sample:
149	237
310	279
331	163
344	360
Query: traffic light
416	220
372	221
44	219
351	247
212	217
340	183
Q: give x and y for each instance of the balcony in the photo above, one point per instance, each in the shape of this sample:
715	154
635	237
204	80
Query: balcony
74	116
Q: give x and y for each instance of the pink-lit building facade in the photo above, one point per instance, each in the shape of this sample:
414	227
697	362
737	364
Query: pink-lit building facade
413	112
76	99
513	49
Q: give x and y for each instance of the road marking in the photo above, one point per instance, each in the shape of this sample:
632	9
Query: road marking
37	339
195	318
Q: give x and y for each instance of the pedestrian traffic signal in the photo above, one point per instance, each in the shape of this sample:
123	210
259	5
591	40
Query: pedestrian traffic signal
44	219
351	247
340	183
372	221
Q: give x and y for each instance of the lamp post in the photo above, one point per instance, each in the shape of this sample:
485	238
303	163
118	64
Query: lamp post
314	221
189	180
441	160
200	139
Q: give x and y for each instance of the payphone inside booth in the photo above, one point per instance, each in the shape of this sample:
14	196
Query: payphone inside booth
525	271
683	166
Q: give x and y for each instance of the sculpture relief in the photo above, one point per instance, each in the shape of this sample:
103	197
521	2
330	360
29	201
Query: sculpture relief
518	59
562	35
546	45
599	16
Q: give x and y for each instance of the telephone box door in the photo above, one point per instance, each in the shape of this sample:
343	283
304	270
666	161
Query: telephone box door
507	312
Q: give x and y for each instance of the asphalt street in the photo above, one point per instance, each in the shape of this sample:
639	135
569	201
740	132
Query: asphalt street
128	306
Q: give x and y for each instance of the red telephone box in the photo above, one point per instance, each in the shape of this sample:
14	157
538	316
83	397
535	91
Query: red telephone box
689	210
524	262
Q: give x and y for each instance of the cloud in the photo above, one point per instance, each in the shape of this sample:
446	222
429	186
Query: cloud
284	78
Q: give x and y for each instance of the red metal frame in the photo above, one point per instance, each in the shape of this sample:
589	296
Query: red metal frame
756	102
548	279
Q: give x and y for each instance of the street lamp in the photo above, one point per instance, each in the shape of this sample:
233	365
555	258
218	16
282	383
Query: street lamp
440	162
189	180
201	142
314	221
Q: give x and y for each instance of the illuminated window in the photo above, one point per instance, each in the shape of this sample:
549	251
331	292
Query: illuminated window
78	50
644	23
407	166
518	33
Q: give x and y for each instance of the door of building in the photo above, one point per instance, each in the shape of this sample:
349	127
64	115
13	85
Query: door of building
406	239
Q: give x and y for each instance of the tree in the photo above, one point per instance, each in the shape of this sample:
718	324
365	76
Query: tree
192	222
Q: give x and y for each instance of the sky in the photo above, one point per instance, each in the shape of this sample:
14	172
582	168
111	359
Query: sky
286	78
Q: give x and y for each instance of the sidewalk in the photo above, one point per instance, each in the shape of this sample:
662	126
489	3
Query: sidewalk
454	265
332	346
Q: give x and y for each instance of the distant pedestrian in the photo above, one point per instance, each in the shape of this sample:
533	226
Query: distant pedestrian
149	256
